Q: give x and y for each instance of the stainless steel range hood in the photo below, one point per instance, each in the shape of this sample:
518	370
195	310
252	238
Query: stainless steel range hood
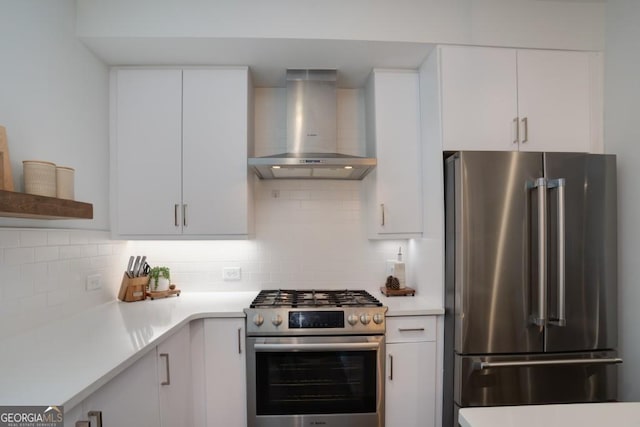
311	134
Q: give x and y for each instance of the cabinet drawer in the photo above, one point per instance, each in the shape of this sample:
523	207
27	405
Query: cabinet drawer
411	329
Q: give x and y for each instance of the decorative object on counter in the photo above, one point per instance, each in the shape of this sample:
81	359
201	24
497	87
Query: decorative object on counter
392	288
163	294
392	283
6	177
39	177
133	288
397	292
64	182
160	279
396	268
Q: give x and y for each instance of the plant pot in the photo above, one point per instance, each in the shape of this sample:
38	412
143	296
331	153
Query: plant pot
163	284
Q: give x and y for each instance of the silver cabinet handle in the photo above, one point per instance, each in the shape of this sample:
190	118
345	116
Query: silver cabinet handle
517	131
390	367
540	185
410	329
525	124
524	363
168	369
382	210
318	347
560	184
97	415
239	340
184	215
175	215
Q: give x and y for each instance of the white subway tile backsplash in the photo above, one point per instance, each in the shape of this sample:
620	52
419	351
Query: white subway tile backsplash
89	251
33	238
9	239
58	238
17	256
69	252
43	273
46	253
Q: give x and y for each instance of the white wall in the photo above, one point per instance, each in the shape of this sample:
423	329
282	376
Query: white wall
563	24
622	137
54	105
54	101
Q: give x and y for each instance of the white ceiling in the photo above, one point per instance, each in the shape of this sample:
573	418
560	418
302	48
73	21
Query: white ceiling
267	58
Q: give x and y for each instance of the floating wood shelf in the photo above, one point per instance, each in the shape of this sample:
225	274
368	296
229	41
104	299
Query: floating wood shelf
22	205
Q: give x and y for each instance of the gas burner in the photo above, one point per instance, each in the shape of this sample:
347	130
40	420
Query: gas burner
314	298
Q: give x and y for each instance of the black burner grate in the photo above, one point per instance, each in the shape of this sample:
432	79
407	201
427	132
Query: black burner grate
314	298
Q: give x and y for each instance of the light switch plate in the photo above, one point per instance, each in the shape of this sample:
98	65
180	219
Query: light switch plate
231	273
93	282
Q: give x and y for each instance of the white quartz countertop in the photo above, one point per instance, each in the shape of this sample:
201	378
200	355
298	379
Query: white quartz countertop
618	414
65	361
410	305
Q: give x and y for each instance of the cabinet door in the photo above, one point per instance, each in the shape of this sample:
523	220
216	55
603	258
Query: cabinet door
554	98
148	133
225	368
215	121
479	98
72	415
131	398
174	373
411	384
397	208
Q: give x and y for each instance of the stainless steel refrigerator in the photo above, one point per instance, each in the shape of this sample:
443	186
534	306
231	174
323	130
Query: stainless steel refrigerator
530	278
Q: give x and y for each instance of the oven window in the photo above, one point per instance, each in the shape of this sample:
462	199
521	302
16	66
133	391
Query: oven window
334	382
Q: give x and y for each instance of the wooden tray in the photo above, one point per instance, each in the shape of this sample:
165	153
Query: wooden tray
163	294
397	292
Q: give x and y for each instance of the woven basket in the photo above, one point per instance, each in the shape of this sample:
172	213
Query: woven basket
39	178
64	182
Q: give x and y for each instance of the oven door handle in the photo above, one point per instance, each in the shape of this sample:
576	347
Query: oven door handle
358	346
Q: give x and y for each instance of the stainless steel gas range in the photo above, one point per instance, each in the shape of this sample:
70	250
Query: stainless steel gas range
315	358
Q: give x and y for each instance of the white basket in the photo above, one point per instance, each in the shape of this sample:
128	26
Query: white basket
39	177
64	182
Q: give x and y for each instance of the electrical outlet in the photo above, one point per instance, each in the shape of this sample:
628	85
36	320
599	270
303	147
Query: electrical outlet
231	273
93	282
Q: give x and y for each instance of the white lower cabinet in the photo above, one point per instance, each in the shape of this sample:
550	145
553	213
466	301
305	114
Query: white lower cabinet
174	379
72	415
225	372
130	399
410	387
154	391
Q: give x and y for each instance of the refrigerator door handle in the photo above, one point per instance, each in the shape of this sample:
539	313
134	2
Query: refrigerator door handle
479	365
540	185
559	185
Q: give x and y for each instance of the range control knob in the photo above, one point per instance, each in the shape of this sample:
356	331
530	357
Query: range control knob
378	318
352	319
365	319
258	320
276	320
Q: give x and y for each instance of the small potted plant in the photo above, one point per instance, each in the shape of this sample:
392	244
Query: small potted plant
159	279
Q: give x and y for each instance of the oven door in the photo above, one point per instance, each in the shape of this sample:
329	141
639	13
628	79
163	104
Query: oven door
334	381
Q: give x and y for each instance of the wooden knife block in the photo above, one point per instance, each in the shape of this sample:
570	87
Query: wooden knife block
133	288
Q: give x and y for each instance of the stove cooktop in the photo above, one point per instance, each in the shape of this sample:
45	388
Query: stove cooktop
283	298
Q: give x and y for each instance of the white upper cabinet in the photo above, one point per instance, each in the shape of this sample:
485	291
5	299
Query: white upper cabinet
393	189
526	100
179	153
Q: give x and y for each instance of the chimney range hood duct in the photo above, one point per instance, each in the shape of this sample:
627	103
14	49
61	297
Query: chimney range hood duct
311	134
